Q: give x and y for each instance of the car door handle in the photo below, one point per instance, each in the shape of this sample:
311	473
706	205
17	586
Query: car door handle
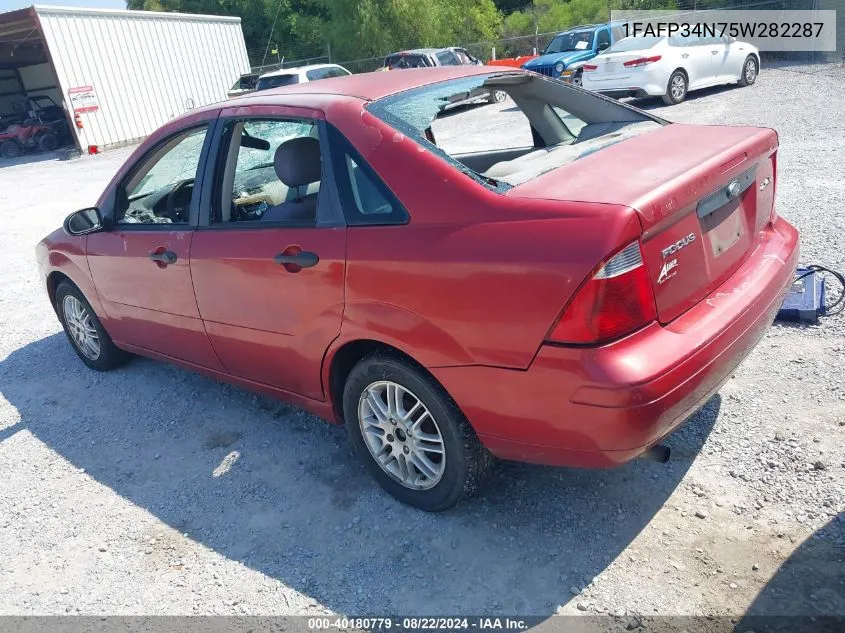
303	259
163	257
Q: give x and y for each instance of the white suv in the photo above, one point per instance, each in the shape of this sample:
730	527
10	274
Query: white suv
303	74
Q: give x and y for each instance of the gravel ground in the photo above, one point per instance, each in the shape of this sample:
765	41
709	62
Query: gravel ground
151	490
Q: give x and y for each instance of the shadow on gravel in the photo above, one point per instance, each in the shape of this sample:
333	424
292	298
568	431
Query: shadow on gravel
809	584
26	159
279	491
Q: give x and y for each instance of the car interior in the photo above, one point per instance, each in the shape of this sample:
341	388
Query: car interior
566	124
272	173
160	191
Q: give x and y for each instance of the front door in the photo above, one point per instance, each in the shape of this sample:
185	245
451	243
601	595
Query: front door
141	267
720	58
268	262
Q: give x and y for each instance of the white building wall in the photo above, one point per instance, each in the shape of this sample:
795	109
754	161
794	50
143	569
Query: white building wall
145	67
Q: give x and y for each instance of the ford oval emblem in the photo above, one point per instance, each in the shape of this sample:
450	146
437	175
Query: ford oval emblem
733	189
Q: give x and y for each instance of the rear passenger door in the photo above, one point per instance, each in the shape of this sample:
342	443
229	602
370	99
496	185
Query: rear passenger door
697	60
269	256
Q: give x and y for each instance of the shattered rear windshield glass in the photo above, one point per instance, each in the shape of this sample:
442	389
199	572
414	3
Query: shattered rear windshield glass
413	112
506	128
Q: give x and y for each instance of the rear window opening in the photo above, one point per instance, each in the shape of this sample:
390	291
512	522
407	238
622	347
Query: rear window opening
542	126
633	44
276	81
406	60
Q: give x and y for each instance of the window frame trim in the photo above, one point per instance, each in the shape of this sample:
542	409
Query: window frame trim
329	214
337	156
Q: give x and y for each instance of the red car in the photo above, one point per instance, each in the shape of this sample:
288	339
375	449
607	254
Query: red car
566	303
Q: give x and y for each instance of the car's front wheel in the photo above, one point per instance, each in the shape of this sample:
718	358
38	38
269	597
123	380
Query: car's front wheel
86	334
676	89
749	71
415	442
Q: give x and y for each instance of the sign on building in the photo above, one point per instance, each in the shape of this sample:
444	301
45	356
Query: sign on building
83	99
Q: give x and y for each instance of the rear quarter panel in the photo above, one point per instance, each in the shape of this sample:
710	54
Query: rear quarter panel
475	277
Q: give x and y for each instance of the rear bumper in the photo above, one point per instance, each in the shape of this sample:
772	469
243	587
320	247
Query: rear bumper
650	83
602	406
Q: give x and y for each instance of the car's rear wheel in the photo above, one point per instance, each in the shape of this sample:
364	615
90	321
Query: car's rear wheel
750	70
414	441
676	89
86	334
577	79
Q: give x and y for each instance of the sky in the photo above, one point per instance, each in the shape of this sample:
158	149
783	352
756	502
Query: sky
10	5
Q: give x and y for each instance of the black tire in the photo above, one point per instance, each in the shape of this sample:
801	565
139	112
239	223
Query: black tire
10	149
110	356
47	142
467	462
676	89
577	78
750	70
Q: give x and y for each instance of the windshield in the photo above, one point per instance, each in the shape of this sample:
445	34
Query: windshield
275	81
498	145
634	44
573	41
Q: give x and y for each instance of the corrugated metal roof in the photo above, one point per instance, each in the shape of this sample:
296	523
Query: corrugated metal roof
124	13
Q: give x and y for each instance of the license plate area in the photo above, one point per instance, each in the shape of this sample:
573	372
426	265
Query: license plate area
724	227
610	67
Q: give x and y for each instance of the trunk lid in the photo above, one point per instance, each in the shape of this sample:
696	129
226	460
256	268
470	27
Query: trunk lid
703	195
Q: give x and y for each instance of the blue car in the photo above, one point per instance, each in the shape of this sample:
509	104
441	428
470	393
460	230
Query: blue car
564	55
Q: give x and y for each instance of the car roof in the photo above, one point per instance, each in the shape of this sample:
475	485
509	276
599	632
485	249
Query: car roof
375	85
297	69
363	86
418	51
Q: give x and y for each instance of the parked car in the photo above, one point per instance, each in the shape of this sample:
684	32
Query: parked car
449	307
430	57
578	44
670	67
301	75
244	85
434	57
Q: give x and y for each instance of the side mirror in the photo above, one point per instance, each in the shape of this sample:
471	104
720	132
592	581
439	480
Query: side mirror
604	46
84	221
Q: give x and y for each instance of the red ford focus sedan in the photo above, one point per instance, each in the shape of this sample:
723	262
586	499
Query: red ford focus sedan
568	301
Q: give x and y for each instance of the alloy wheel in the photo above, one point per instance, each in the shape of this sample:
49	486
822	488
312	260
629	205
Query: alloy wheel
402	435
81	327
750	71
678	87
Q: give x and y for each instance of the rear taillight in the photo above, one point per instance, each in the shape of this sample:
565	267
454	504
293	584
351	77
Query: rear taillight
616	300
588	67
641	61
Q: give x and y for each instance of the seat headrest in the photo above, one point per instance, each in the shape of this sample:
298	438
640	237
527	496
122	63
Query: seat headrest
297	161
